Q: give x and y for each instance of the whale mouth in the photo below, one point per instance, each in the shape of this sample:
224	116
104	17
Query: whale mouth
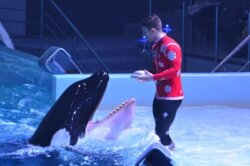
126	104
118	120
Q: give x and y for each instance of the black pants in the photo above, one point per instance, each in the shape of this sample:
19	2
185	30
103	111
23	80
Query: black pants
164	112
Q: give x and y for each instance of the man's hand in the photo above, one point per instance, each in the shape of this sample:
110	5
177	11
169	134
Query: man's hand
142	75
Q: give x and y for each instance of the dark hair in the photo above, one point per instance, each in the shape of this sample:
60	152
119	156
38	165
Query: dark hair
152	21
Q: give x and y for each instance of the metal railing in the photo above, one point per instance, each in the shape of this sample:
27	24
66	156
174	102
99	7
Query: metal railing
215	34
57	31
231	54
76	32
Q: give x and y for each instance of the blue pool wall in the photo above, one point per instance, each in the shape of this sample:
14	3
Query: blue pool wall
200	89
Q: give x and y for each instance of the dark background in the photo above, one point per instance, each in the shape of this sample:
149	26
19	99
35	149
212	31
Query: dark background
96	17
112	28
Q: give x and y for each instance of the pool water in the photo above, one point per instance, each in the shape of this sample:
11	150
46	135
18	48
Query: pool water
206	136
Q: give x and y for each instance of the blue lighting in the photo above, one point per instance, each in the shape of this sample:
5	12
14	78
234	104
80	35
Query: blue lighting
167	28
143	39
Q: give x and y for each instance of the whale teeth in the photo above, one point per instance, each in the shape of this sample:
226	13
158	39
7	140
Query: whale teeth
117	109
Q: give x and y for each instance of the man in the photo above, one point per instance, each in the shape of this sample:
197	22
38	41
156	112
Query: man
167	57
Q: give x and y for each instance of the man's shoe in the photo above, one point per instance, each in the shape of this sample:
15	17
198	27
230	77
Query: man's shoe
171	146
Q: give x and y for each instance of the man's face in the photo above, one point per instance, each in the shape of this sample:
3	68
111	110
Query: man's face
149	33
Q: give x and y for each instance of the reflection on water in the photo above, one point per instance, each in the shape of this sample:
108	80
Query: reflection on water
204	135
